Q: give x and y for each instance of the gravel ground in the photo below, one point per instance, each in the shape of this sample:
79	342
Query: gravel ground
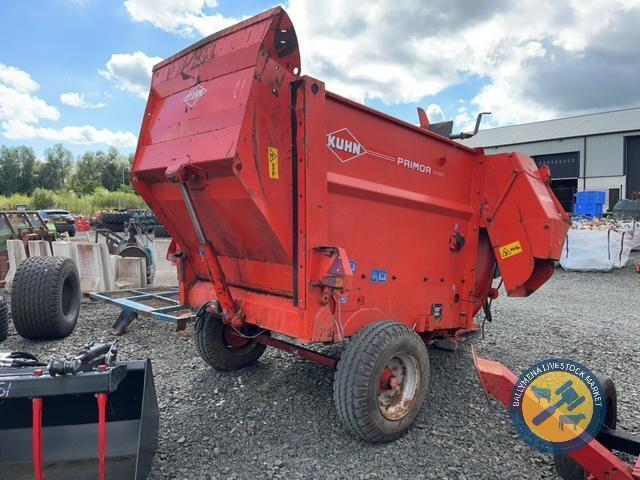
276	419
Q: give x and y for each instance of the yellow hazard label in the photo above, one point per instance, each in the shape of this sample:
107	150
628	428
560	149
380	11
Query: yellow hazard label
510	249
273	163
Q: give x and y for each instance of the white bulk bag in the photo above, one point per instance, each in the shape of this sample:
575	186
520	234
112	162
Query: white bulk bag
620	245
633	234
595	250
586	250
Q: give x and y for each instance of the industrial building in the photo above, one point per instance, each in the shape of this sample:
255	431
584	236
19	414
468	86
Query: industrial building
599	151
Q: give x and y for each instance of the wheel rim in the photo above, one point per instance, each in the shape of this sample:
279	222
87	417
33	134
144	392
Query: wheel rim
68	291
398	386
233	340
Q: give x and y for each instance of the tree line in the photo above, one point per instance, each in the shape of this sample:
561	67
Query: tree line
22	173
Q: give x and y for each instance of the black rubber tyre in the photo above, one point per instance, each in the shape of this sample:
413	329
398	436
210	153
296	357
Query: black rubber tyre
115	217
359	376
45	297
567	467
160	232
115	227
4	320
214	348
114	221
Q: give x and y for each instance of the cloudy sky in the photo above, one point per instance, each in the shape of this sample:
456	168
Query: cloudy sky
77	71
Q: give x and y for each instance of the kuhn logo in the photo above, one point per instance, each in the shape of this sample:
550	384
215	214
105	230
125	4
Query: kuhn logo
194	94
344	145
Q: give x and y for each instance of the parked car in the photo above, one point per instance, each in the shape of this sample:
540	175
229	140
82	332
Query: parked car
63	220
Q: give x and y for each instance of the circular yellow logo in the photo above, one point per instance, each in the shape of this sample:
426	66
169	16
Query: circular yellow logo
557	405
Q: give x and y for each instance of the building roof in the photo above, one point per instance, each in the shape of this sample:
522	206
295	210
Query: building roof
579	126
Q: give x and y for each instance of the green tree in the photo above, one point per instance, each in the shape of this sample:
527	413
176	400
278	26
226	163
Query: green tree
111	169
87	173
41	199
9	170
27	164
116	170
56	170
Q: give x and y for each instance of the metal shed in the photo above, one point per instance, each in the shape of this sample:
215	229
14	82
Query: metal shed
598	151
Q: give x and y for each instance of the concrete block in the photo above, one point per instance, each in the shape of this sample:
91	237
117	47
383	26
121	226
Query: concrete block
132	273
39	248
16	253
94	267
113	262
83	237
166	273
65	249
110	276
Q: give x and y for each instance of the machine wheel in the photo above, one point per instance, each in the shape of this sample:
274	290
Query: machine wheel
221	348
381	381
45	297
567	467
4	320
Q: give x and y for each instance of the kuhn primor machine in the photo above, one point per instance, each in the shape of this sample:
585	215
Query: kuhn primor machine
300	213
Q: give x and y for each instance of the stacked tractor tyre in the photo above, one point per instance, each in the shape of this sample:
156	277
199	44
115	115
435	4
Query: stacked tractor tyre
114	221
160	232
4	320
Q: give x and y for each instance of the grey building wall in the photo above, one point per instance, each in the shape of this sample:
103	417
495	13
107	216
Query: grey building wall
604	153
544	148
605	156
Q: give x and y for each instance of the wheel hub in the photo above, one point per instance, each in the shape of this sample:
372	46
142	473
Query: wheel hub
398	386
234	339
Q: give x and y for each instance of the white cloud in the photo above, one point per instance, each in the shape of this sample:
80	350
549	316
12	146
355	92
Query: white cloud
529	54
371	53
77	100
24	107
131	72
463	121
17	79
184	17
401	51
84	135
435	113
17	101
21	112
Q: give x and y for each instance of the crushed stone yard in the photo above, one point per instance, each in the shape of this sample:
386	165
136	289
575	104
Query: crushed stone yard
276	419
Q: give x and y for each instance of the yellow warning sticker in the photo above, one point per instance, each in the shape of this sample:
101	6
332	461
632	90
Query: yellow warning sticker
273	163
510	249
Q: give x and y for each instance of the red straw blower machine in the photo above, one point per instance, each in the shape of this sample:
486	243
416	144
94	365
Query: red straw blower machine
298	215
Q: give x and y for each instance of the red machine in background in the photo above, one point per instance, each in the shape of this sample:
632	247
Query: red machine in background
298	212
